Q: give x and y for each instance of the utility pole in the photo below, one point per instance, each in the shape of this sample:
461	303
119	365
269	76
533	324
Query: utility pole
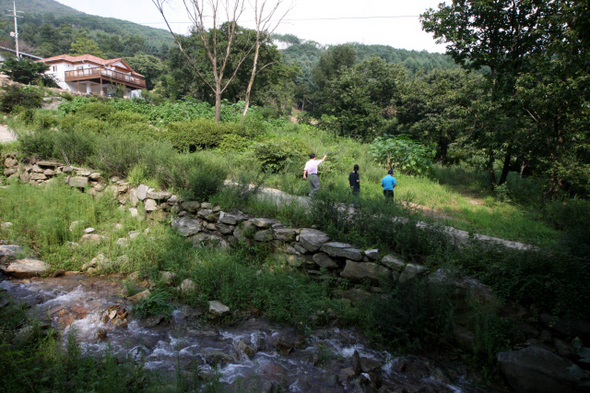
15	32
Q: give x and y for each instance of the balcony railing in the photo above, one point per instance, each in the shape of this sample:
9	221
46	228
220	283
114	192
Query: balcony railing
97	72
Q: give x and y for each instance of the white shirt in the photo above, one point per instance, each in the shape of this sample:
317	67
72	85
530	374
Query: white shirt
311	166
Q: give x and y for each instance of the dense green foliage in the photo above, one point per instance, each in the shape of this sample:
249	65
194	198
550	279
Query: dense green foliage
131	138
14	97
401	153
535	110
26	71
413	315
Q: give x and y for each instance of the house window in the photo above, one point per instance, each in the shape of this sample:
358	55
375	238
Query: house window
79	67
54	68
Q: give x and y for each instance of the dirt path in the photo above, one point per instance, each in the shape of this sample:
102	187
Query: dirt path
460	236
6	135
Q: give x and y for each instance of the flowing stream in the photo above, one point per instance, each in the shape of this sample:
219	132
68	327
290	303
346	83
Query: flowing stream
254	355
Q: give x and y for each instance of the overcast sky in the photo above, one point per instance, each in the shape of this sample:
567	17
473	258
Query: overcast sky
384	22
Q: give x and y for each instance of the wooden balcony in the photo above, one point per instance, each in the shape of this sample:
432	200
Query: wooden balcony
104	75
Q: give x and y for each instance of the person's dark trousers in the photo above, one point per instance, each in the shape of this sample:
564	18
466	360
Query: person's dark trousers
388	194
314	183
355	195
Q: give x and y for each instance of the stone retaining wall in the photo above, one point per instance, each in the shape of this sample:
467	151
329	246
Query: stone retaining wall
206	225
359	271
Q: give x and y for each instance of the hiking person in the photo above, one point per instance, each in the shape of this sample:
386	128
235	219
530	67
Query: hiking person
388	183
355	183
311	171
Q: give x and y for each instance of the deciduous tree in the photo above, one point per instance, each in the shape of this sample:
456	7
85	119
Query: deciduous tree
499	35
85	46
225	15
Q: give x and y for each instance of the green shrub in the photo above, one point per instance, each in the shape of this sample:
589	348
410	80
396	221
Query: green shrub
120	118
45	119
141	129
158	303
201	133
372	226
118	153
69	122
233	142
39	143
554	280
96	110
254	125
278	154
242	279
400	152
72	105
493	334
571	216
77	146
27	115
83	123
412	315
198	178
15	96
524	190
158	158
330	123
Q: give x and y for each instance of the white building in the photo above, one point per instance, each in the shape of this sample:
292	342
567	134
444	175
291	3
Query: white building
91	74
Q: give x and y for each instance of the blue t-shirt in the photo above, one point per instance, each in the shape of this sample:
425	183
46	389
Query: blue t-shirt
388	182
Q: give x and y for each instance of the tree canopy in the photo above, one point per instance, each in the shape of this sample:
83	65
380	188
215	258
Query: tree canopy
24	70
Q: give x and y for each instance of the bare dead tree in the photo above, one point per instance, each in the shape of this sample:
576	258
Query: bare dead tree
265	27
197	11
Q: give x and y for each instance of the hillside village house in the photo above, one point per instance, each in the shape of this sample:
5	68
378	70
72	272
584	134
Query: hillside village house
91	74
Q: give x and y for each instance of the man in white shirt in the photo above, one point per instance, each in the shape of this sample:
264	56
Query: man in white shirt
311	171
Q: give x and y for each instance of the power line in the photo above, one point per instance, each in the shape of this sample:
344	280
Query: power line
314	19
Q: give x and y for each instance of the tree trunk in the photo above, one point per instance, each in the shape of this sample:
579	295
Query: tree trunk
252	76
218	104
505	168
443	148
491	172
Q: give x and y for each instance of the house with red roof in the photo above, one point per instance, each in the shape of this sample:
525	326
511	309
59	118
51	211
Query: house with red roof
92	75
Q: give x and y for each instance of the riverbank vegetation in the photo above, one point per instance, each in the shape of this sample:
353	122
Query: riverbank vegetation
134	140
498	148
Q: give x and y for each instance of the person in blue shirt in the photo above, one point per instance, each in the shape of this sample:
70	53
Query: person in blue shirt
388	183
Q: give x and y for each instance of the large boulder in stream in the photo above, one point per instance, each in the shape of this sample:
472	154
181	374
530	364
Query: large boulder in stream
25	268
218	309
537	370
253	384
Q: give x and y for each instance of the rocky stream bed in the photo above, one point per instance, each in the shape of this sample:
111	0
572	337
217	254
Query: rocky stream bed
251	355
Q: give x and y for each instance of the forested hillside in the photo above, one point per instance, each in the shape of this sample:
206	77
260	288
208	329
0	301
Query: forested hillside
48	28
306	53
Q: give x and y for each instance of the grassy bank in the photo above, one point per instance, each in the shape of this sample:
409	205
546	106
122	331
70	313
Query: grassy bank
177	147
123	137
